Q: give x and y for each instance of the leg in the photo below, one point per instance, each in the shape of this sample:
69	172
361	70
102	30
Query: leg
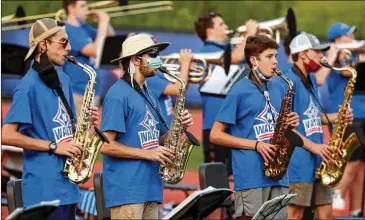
150	210
207	147
323	201
248	202
63	212
303	199
356	188
128	211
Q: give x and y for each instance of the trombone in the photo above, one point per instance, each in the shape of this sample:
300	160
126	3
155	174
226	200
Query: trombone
201	70
105	6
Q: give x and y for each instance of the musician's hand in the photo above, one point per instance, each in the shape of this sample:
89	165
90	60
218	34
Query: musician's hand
345	55
186	119
332	54
68	149
94	115
266	150
293	120
100	17
162	154
324	151
185	57
251	27
349	115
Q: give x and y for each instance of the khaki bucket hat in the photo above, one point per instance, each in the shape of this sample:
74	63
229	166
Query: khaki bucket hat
42	29
138	44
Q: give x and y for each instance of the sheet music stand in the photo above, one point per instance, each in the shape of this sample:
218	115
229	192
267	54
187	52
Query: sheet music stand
36	212
110	49
201	206
272	207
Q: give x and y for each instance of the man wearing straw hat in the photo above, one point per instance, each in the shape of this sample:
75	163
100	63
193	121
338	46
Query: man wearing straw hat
40	121
133	123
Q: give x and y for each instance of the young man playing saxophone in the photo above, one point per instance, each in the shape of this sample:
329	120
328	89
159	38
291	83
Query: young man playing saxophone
306	53
211	29
39	122
131	122
246	123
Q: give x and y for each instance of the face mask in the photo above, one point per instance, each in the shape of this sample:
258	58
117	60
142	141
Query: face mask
258	72
154	63
47	72
311	66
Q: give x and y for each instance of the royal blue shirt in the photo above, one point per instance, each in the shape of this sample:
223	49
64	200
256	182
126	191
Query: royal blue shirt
336	87
157	85
248	115
41	115
79	37
128	181
303	163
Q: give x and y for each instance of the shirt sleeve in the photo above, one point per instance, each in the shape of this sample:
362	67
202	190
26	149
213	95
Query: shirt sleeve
113	116
157	84
92	31
229	110
78	40
20	109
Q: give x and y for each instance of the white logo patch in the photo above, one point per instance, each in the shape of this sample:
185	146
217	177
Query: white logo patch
266	129
313	124
62	133
149	138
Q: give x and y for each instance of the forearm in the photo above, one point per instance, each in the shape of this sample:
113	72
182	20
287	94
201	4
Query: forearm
111	31
17	139
227	140
116	149
332	117
322	75
238	53
307	144
101	33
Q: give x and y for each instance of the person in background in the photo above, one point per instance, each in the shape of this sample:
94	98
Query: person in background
211	29
351	182
85	42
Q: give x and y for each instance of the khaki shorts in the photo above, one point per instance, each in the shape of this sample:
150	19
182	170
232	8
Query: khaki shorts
147	210
310	194
248	202
78	99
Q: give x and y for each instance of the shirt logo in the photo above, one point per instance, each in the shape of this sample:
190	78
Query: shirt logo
62	133
313	124
149	137
267	117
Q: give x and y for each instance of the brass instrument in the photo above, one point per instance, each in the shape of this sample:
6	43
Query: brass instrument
203	70
331	174
283	138
357	47
79	169
104	6
271	28
178	139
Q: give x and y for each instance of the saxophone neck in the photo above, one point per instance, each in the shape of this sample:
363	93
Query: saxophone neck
353	72
287	80
181	81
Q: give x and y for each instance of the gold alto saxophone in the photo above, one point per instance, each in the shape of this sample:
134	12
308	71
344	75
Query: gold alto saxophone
180	141
79	169
330	174
284	139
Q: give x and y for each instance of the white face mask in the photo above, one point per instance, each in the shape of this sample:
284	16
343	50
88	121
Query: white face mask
257	70
131	70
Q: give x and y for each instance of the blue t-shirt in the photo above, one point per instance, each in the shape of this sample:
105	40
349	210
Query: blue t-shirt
250	116
358	105
41	115
157	85
336	87
79	37
303	163
129	181
211	104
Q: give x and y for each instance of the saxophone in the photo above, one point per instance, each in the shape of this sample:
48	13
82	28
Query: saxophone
180	141
331	174
284	139
79	169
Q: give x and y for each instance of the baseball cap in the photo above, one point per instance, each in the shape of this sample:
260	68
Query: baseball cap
339	29
305	41
42	29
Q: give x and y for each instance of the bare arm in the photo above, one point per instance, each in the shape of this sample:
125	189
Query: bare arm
11	136
323	72
111	31
220	137
238	53
331	116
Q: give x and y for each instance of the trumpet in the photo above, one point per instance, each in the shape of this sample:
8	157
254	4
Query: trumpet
356	46
105	6
201	71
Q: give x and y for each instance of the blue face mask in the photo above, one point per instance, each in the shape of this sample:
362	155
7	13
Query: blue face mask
154	63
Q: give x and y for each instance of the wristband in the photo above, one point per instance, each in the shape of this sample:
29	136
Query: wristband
257	142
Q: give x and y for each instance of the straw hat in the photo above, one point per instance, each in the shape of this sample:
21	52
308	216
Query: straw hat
139	44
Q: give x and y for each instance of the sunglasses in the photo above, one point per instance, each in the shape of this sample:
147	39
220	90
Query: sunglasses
64	43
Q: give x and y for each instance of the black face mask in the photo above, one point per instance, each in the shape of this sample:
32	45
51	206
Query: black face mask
47	72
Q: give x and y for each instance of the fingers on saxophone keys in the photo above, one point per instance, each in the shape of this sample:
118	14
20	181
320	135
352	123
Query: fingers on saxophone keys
168	152
77	149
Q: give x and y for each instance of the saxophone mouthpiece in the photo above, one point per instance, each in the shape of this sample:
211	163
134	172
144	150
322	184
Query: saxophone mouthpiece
163	69
324	63
71	59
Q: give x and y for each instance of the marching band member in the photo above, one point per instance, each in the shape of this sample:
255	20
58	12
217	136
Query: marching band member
249	118
41	123
131	122
211	30
164	89
306	54
337	81
84	39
